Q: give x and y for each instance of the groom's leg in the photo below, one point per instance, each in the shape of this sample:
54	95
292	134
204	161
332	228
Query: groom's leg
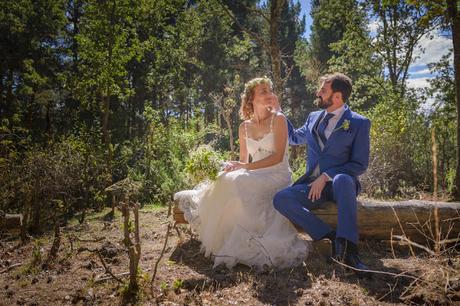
344	189
293	203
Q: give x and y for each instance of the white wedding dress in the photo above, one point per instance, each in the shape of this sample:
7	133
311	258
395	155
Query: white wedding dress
235	219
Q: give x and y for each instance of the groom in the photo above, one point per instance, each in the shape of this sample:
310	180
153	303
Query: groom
338	152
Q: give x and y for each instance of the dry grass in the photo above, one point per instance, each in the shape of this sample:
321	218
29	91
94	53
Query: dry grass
185	276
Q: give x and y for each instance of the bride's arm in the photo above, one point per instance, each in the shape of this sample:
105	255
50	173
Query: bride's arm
242	140
280	131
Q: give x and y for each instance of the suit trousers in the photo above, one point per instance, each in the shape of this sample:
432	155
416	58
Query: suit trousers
293	203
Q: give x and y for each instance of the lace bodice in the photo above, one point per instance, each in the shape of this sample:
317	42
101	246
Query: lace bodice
265	146
234	215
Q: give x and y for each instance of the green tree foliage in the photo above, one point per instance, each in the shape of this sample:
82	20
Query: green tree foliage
106	43
95	91
29	58
401	25
339	41
400	161
354	55
444	119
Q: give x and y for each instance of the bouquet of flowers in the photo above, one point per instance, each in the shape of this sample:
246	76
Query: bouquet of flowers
203	163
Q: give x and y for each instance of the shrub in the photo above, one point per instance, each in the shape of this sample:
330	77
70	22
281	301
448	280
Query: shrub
55	181
400	159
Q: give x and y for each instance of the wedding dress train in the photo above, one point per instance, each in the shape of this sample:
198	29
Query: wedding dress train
235	219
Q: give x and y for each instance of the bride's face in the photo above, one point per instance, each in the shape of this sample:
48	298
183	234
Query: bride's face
263	96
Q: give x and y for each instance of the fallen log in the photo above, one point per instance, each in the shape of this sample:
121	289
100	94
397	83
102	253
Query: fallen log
377	220
10	221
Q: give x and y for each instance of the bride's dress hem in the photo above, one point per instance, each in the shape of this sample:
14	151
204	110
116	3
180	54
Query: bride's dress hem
236	222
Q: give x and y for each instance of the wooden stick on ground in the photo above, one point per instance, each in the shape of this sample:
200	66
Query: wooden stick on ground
103	279
107	269
402	230
161	254
374	271
11	267
405	240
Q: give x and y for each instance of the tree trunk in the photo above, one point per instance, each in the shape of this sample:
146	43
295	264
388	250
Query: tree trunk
228	121
75	19
276	8
455	23
36	210
49	129
3	104
105	131
11	221
10	107
377	220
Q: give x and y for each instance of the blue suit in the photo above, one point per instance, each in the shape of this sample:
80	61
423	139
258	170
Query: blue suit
344	157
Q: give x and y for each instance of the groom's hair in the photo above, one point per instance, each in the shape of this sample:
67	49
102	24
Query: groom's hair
339	83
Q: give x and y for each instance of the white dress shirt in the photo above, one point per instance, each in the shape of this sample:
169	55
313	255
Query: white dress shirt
327	132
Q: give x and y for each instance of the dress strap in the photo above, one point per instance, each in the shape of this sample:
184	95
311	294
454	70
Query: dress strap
246	136
271	123
246	129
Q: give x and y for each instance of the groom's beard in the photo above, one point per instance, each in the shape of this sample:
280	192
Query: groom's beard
323	104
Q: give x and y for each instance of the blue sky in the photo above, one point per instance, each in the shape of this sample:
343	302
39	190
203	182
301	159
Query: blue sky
306	11
434	49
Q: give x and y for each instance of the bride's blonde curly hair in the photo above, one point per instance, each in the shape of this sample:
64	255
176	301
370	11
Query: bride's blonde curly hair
247	108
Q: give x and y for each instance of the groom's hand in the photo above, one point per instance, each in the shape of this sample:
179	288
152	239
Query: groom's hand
274	105
316	188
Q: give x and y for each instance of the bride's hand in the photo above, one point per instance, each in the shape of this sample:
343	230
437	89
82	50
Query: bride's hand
233	165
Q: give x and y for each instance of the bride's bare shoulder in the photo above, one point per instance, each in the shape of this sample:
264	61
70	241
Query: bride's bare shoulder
245	123
279	116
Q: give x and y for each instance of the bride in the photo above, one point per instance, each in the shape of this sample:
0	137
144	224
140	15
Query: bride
234	216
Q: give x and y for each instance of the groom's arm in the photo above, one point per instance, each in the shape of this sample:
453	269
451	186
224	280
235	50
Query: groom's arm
359	157
295	136
298	136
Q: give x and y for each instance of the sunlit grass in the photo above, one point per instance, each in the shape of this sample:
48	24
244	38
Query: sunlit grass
154	207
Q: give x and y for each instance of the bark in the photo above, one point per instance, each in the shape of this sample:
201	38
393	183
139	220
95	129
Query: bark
134	249
455	25
377	220
9	92
276	8
3	105
11	221
228	121
106	98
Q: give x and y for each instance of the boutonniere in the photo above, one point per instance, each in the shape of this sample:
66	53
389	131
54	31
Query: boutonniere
345	126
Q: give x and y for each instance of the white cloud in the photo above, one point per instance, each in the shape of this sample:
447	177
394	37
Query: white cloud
420	72
373	26
434	48
417	83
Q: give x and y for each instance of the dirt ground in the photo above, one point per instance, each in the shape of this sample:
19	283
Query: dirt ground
186	277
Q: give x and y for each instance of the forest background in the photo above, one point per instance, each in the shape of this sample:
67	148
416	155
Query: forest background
93	92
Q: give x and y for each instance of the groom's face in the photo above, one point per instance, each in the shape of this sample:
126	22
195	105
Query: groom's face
324	95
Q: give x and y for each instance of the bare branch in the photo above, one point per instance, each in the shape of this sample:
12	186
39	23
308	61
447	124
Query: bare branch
256	11
407	241
161	254
375	271
107	269
11	267
402	230
254	35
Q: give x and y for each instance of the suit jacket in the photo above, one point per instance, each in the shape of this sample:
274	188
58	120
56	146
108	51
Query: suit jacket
345	152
